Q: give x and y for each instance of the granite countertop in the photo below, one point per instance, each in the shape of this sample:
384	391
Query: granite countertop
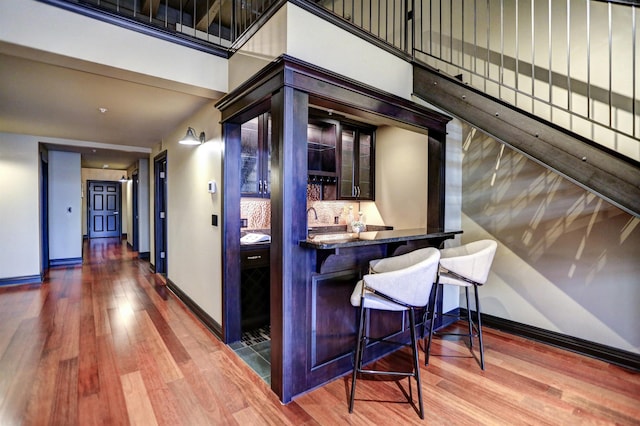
345	239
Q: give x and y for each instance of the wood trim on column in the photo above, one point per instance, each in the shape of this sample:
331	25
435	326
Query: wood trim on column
436	159
231	325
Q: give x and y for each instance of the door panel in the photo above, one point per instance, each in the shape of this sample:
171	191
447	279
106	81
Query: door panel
104	206
160	222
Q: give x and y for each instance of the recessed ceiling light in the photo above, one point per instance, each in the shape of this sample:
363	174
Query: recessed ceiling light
102	110
105	166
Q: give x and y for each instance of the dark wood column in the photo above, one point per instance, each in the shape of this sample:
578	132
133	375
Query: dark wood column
232	328
436	180
289	115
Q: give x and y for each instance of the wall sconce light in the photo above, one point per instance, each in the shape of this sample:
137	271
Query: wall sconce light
191	139
123	178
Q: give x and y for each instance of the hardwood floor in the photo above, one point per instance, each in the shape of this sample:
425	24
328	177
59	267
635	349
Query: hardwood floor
105	343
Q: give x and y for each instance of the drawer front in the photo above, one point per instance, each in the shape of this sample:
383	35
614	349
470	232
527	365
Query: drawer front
254	258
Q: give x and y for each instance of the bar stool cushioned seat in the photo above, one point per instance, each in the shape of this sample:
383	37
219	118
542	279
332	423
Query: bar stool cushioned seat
466	266
400	283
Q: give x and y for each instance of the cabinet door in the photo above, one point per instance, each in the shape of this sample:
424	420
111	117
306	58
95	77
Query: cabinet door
249	154
356	163
347	163
365	166
255	168
265	164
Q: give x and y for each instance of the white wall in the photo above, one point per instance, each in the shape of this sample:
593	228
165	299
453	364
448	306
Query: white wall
305	36
315	40
19	206
144	206
453	202
401	177
194	245
127	200
567	260
266	45
102	48
65	209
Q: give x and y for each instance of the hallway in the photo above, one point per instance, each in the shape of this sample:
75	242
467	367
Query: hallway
105	343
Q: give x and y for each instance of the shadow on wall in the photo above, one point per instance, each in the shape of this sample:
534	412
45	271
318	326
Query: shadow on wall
585	246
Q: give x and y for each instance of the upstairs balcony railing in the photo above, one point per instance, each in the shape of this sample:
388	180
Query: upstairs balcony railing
216	22
571	62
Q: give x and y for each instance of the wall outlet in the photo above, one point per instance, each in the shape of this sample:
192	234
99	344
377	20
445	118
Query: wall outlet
244	223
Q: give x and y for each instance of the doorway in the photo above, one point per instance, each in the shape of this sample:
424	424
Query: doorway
160	214
103	209
134	211
44	214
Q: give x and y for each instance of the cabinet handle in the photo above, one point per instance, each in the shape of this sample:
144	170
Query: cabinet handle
260	186
254	257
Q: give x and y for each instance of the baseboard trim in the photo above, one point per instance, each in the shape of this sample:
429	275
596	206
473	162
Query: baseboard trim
27	279
204	318
599	351
71	261
144	255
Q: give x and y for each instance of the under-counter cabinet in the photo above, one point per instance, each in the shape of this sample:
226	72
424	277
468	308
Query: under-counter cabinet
255	173
254	286
357	163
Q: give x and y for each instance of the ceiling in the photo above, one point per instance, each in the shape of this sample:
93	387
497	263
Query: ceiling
56	101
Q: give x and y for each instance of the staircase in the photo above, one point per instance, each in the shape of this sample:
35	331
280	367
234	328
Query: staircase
602	171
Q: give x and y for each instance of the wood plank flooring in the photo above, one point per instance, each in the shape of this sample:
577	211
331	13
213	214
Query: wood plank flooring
105	343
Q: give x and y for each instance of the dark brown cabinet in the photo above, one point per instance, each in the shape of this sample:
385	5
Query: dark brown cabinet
322	138
341	158
255	173
357	163
254	286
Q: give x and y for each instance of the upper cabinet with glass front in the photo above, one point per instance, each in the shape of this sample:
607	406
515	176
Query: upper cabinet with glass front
357	162
255	173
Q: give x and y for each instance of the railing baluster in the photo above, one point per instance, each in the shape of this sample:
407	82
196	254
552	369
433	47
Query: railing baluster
588	58
550	52
487	68
569	103
462	25
501	73
517	54
633	49
475	37
533	54
451	31
610	63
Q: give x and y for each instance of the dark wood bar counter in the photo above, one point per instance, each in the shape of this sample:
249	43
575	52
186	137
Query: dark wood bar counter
324	241
337	262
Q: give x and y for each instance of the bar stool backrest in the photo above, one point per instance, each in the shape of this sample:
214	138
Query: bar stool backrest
407	278
472	260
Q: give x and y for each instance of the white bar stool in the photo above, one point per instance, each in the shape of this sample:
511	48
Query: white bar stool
400	283
465	266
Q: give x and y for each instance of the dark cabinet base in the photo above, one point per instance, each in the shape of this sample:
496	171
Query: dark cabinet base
254	288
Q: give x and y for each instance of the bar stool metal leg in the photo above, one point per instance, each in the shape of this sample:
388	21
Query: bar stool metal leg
432	310
357	363
475	287
416	366
469	320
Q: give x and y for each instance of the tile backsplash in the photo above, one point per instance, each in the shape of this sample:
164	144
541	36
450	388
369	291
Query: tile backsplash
257	211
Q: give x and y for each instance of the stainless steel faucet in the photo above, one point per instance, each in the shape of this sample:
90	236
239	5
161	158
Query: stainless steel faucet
315	213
